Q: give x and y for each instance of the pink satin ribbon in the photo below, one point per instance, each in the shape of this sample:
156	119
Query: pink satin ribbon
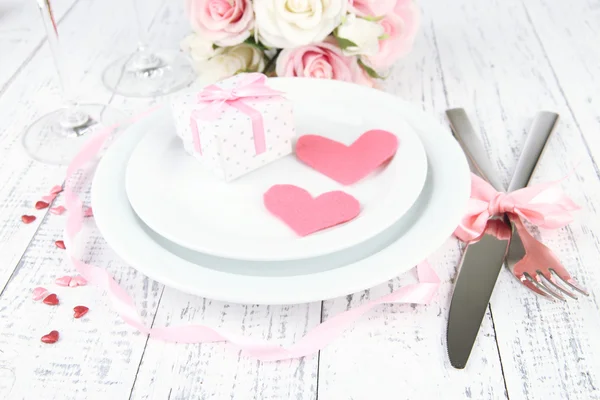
216	99
532	203
315	340
544	205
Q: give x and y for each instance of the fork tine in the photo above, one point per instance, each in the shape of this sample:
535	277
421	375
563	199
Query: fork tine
556	294
566	278
526	280
549	278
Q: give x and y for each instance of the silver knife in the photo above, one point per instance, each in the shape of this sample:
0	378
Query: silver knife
482	261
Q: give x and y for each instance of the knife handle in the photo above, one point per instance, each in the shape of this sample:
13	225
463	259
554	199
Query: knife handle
535	144
476	155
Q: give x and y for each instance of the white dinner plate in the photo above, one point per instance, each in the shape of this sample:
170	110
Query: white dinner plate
427	225
184	202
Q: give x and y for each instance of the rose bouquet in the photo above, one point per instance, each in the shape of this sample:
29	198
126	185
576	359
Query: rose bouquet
349	40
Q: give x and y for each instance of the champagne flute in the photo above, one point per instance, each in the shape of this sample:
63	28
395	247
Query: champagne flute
57	137
147	73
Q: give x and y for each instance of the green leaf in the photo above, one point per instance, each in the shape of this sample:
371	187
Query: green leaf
271	63
345	43
384	36
258	45
370	71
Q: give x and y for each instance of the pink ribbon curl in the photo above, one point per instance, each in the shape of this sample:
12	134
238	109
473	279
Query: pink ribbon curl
216	99
544	205
313	341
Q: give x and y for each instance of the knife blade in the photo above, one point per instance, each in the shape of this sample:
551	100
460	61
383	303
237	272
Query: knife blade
481	262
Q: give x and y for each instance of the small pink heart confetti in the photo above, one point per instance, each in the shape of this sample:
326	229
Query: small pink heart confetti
78	281
63	281
51	337
58	210
49	198
40	205
56	190
39	293
51	300
27	219
80	311
87	212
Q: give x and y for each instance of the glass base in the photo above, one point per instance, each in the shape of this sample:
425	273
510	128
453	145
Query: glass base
57	137
147	75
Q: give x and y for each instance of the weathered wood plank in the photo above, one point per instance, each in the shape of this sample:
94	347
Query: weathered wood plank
399	351
492	63
216	370
22	33
569	33
206	371
93	368
97	355
494	66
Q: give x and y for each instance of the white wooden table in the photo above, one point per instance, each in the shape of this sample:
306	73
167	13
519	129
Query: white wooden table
501	60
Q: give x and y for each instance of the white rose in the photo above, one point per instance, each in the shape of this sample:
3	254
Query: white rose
229	61
197	47
363	33
294	23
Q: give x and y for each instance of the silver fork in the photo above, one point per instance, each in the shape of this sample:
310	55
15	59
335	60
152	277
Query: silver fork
533	264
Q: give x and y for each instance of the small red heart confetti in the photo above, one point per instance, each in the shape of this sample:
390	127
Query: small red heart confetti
51	337
27	219
60	244
78	280
51	300
40	205
63	281
56	190
80	311
58	210
39	293
49	198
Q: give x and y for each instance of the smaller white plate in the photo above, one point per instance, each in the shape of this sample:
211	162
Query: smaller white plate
430	222
185	203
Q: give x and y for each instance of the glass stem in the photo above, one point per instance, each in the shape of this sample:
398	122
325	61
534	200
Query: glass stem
143	60
141	35
72	117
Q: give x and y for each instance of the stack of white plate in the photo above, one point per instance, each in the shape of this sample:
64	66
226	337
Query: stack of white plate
175	222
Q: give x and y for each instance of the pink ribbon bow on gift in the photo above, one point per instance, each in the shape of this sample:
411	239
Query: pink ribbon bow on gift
216	99
544	205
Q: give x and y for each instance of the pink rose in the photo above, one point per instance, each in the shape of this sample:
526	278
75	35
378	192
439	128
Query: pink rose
223	22
323	60
400	26
372	8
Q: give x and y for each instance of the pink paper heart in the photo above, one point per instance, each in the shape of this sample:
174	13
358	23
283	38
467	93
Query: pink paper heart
39	293
63	281
347	164
305	214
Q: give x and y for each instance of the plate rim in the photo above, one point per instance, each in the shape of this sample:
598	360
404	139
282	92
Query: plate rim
321	285
352	234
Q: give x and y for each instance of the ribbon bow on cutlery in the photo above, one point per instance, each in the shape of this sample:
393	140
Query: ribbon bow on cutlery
544	205
494	232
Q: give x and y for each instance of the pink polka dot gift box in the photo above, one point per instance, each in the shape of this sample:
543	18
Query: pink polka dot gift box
235	126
